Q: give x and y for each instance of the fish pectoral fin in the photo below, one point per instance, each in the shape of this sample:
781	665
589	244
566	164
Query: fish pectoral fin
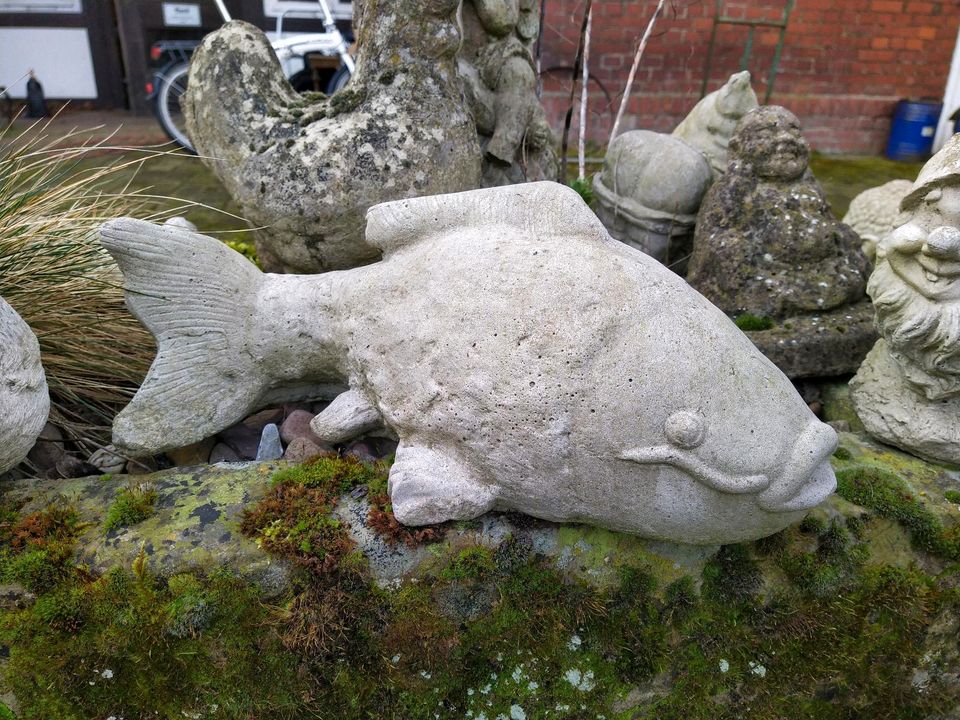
430	486
349	415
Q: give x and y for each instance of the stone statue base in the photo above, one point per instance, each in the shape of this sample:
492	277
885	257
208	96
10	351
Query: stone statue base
894	413
832	343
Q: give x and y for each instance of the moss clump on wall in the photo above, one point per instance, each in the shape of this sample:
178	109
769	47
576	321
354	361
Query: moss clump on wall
752	323
132	505
800	625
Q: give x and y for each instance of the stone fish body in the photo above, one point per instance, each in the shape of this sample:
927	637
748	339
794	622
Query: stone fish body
24	400
524	359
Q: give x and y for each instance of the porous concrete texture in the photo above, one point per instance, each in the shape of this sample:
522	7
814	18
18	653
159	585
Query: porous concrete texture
908	390
873	213
499	76
767	245
712	122
305	169
24	400
524	359
649	191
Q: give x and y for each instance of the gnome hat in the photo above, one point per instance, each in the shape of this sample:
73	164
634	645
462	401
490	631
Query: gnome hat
940	170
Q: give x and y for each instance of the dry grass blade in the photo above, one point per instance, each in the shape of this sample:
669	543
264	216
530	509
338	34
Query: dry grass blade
54	272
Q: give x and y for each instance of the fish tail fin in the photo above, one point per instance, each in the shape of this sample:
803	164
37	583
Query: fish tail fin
195	295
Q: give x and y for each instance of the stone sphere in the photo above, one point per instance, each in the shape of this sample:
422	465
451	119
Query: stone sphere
659	172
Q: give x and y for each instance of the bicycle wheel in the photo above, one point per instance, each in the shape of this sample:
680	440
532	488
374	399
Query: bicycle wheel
167	105
340	78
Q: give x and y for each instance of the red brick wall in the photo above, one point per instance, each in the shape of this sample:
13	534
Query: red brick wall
845	63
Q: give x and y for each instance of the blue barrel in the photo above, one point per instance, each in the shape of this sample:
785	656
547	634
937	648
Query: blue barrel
912	130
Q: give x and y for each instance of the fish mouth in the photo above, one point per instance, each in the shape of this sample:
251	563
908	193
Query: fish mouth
807	478
806	481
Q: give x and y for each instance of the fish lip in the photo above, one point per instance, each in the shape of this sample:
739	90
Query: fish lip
692	465
807	478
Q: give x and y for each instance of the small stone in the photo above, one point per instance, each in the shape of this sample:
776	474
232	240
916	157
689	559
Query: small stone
302	449
49	448
362	451
840	425
108	460
297	425
243	440
70	466
259	420
816	407
270	447
195	454
223	453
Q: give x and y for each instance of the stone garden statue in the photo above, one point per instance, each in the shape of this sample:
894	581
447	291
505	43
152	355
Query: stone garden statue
24	400
873	213
305	170
711	123
524	359
907	392
652	184
499	75
649	191
768	249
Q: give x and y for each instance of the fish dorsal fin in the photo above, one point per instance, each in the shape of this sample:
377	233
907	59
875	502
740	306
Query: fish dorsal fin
540	208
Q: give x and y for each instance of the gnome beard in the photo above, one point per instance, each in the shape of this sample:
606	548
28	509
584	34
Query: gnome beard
923	336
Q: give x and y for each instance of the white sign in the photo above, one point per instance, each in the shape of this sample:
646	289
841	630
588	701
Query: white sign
181	15
340	9
60	57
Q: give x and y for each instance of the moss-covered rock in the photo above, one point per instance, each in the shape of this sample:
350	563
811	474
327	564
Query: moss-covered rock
851	614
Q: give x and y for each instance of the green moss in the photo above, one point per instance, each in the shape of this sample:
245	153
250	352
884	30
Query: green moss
584	188
884	492
247	249
346	100
332	473
752	323
132	505
473	563
953	496
36	570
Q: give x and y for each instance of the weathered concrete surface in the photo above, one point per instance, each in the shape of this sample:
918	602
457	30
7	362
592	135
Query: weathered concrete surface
712	122
306	169
24	400
873	213
907	391
525	360
767	245
498	73
649	192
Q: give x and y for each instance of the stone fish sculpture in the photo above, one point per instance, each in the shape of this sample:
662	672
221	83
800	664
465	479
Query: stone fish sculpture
524	359
873	213
907	392
305	169
712	122
24	400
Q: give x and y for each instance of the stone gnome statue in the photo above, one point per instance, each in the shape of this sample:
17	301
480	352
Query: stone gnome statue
24	400
767	246
524	359
907	392
711	123
873	213
499	76
306	170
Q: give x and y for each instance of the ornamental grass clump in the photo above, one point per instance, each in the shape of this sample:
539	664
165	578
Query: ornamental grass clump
56	275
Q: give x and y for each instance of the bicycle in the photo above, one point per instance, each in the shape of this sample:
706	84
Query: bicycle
304	58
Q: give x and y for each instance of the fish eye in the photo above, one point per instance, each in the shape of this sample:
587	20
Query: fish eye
686	428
